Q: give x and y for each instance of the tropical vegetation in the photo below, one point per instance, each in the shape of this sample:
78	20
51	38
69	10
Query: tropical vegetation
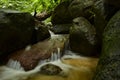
29	5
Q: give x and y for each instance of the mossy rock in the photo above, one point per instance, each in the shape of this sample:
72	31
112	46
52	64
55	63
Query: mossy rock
109	64
83	38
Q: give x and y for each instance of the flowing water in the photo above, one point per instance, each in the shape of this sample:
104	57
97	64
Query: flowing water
14	71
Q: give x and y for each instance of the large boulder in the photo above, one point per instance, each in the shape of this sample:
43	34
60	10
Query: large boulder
109	63
16	30
61	14
83	38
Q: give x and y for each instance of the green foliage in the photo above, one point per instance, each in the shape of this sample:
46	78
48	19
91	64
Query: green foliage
29	5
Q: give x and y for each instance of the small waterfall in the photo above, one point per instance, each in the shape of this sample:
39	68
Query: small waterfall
15	65
51	33
54	57
14	71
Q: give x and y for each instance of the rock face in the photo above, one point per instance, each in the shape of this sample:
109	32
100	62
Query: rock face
109	63
16	30
83	37
61	28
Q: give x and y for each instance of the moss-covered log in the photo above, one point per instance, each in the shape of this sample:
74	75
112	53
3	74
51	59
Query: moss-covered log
109	65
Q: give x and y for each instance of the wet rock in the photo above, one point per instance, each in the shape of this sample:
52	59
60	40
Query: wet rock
83	37
61	28
61	14
16	29
40	52
50	69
